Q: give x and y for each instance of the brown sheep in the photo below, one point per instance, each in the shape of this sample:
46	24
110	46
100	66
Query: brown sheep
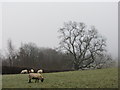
36	76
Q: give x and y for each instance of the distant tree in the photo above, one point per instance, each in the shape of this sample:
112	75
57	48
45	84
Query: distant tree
81	43
11	55
1	58
102	61
28	55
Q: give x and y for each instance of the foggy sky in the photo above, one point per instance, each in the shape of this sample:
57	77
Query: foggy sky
39	22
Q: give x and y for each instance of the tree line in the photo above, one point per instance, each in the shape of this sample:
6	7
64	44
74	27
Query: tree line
79	48
31	56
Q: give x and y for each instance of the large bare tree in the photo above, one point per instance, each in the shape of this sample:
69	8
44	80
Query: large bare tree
82	43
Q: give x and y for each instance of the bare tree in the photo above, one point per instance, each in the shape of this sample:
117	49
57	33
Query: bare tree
11	52
28	54
82	43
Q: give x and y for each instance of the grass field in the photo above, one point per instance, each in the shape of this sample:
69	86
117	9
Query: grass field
101	78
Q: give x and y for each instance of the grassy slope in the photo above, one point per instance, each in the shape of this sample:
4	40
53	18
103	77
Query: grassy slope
102	78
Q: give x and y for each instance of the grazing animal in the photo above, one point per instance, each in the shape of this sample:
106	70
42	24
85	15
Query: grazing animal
24	71
40	71
32	71
36	76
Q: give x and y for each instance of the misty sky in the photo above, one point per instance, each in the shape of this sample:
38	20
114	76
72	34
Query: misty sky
39	22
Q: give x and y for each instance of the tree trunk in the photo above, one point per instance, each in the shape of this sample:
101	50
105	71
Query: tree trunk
76	66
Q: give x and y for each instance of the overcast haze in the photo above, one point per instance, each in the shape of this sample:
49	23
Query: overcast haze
39	22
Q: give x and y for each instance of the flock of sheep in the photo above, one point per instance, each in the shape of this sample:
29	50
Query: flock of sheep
37	76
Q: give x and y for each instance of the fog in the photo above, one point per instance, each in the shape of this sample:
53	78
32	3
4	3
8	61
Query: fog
39	22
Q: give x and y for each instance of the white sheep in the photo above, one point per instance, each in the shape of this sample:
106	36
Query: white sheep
24	71
32	71
40	71
36	76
